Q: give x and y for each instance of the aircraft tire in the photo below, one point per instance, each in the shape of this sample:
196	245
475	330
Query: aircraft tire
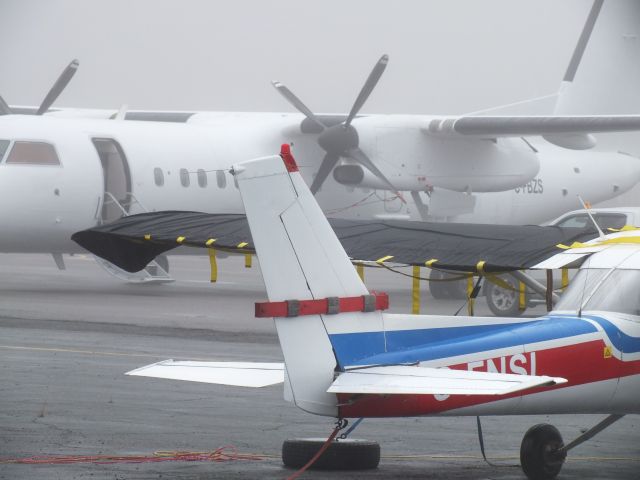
502	302
538	452
347	454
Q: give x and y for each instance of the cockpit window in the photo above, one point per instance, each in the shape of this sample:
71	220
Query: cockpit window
617	293
580	289
602	289
33	153
4	144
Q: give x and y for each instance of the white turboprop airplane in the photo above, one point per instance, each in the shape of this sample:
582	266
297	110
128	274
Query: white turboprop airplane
345	358
67	174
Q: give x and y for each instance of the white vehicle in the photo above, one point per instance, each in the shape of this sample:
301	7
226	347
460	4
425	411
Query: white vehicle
607	218
503	302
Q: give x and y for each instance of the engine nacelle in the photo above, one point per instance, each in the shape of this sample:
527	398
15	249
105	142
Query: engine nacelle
354	175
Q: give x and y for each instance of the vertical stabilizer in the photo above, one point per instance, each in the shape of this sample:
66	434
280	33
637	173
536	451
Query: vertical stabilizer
604	71
301	259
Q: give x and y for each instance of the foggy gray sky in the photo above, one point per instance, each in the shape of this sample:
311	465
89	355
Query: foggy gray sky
447	56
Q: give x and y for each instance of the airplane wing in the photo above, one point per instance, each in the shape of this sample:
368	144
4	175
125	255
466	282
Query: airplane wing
518	126
405	379
240	374
132	242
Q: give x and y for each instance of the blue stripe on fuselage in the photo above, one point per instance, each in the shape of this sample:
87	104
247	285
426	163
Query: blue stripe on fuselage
623	342
410	346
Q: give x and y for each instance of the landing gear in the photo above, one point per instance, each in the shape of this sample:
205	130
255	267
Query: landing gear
347	454
542	453
163	262
501	301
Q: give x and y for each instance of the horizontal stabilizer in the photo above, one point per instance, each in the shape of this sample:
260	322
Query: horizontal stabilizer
239	374
404	379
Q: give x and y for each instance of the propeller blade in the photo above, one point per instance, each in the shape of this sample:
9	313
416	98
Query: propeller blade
297	103
360	157
368	87
63	80
328	162
4	108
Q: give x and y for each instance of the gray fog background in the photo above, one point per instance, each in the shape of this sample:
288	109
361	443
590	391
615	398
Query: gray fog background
446	56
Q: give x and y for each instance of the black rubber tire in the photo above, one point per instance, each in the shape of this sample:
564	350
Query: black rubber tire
348	454
502	302
537	452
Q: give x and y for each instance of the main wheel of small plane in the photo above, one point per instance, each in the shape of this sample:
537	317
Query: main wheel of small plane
501	301
539	452
347	454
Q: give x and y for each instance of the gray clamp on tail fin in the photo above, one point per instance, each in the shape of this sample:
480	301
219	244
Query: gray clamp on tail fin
369	303
293	308
333	305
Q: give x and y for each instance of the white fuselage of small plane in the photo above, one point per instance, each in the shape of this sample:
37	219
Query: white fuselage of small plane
150	165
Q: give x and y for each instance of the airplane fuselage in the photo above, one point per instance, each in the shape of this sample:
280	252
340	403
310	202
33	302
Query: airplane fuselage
599	355
105	166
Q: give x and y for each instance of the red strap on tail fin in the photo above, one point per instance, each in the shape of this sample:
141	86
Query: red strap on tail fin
323	306
289	161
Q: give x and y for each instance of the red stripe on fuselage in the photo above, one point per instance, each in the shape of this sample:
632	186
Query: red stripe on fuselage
580	364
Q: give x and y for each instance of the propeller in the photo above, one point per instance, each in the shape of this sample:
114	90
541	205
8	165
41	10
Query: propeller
341	140
62	82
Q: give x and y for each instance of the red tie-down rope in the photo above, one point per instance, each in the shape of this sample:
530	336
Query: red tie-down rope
222	454
326	445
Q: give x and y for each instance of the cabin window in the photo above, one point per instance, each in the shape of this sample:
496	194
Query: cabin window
604	220
617	293
202	178
610	220
33	153
221	178
580	288
184	177
4	144
158	176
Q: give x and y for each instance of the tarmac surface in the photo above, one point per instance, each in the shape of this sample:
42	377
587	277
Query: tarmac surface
68	337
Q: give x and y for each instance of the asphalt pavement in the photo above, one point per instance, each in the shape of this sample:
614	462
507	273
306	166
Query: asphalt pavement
68	337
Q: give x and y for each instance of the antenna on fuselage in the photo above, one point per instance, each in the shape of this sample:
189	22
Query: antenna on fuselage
587	208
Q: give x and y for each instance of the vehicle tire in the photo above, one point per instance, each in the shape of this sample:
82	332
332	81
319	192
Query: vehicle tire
455	290
348	454
539	455
502	302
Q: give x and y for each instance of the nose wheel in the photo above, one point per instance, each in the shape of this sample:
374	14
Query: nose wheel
542	453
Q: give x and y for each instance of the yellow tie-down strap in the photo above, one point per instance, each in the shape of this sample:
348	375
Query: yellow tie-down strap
604	241
453	276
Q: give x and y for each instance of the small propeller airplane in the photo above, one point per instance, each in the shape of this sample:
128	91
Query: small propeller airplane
345	358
